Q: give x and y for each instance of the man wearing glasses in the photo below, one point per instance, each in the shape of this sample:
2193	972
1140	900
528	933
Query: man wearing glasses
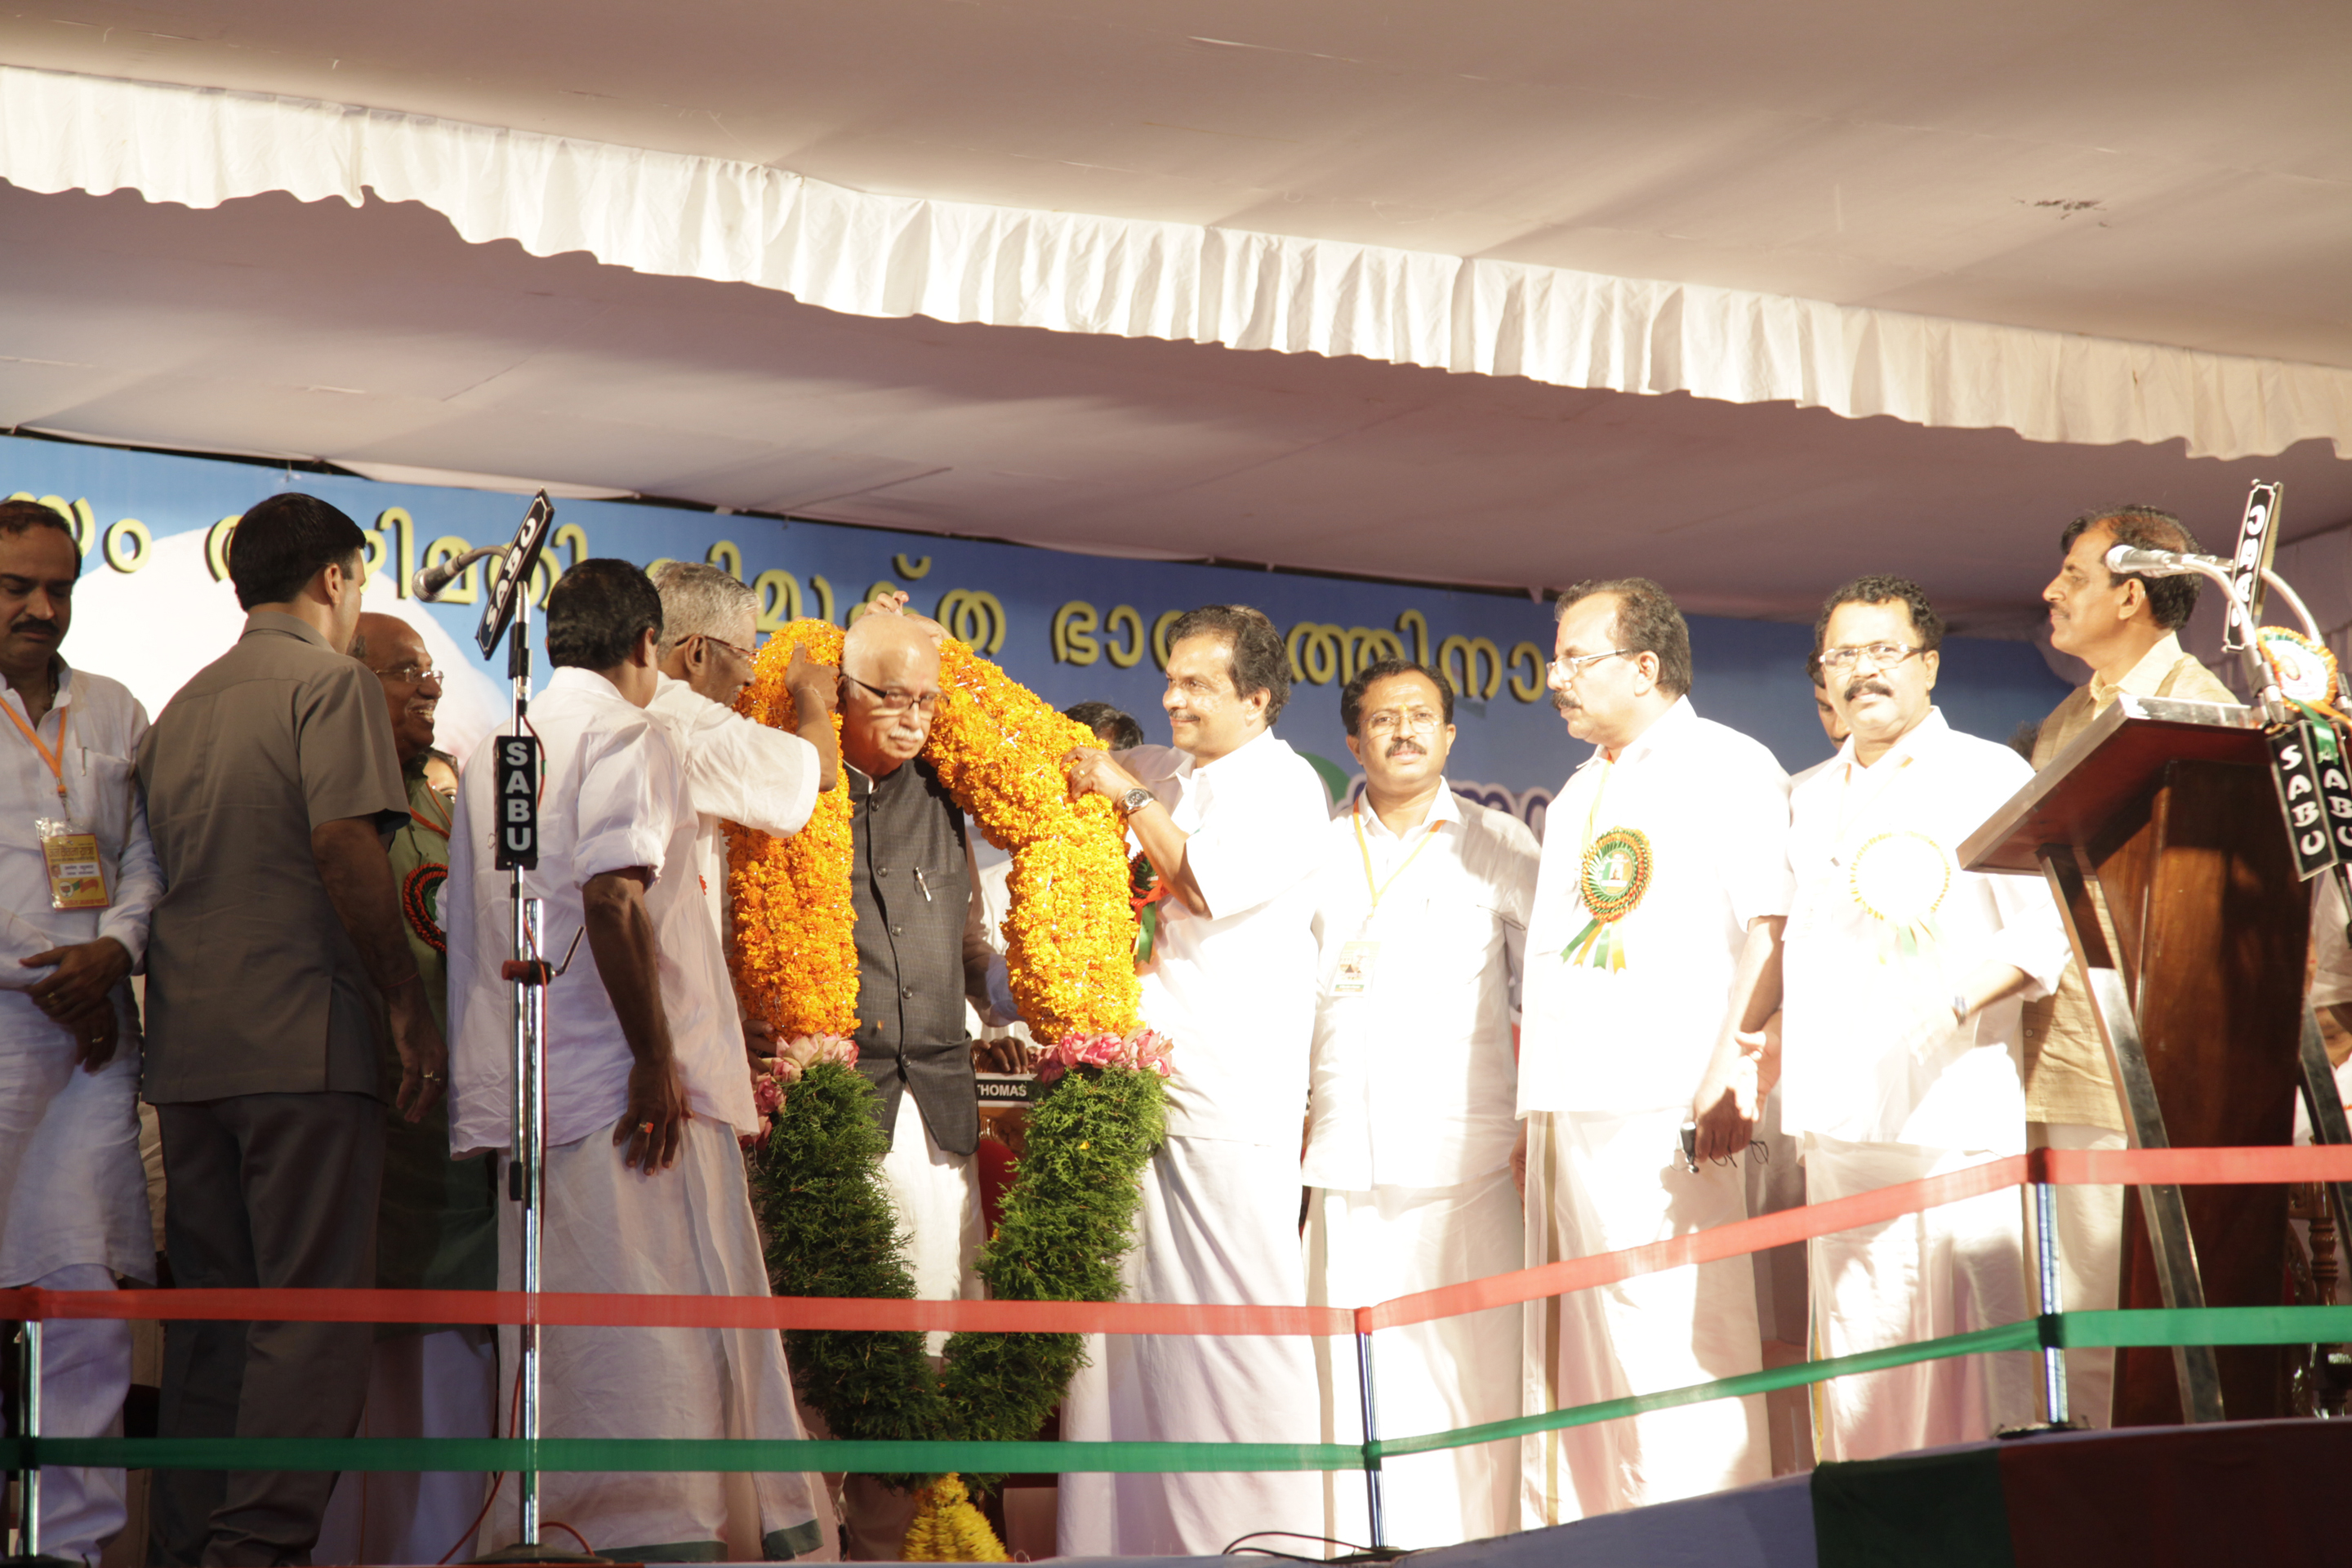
1653	968
1422	919
1905	979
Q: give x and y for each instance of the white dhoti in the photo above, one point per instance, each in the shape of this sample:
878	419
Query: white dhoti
2090	1265
73	1216
1602	1184
1944	1270
685	1231
937	1197
438	1385
1369	1246
1220	1223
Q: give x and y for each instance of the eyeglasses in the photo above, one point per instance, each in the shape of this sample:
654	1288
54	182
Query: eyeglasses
896	701
1881	655
747	655
1387	723
410	674
1570	668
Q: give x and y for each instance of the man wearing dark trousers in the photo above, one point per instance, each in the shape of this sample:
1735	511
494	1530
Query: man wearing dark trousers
278	975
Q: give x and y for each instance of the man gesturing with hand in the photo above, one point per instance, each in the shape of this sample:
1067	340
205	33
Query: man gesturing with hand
646	1094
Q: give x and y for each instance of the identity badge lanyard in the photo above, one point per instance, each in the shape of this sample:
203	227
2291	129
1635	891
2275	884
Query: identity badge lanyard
1613	873
77	879
1357	958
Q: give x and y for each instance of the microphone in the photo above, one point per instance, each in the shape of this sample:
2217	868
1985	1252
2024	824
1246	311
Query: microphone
430	582
2125	561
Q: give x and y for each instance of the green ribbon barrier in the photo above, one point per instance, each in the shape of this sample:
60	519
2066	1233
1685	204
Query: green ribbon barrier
2149	1327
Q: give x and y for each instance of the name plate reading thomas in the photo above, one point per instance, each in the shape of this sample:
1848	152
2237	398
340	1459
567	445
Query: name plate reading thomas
1007	1087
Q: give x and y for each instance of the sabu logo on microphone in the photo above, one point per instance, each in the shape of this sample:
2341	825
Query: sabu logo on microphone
518	802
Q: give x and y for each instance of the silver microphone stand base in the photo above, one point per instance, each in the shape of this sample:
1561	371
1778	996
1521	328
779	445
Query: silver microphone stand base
542	1553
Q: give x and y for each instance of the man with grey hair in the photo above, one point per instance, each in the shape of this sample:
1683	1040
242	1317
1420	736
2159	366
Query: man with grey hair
1653	968
737	769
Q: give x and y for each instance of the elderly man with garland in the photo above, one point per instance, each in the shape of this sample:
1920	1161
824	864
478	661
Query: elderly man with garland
1422	917
436	1219
922	949
645	1086
2126	628
73	1197
1903	1035
1654	967
1236	824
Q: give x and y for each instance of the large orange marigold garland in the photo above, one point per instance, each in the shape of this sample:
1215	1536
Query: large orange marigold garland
1070	940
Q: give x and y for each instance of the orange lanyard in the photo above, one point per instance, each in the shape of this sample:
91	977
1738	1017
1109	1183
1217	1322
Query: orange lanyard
56	759
1378	887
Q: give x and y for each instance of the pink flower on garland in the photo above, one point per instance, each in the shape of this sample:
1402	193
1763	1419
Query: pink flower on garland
1147	1051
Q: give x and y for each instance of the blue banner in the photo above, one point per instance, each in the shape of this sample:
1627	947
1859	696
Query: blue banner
155	607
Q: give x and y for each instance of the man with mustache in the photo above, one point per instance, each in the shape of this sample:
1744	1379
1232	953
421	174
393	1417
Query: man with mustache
1653	967
1235	824
73	1196
2126	628
1422	919
437	1221
1902	1030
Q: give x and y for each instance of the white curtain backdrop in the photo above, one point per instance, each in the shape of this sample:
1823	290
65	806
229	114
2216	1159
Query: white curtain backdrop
897	256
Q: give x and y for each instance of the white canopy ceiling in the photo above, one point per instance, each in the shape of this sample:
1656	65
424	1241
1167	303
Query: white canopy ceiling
2180	179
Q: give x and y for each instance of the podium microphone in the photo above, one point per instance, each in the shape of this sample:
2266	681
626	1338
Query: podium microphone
431	582
2123	560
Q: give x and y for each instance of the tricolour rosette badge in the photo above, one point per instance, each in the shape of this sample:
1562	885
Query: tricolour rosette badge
1615	874
2307	671
1900	879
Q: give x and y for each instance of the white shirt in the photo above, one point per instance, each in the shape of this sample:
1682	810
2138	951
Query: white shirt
1412	1082
737	770
102	723
1850	989
613	796
1712	806
1236	994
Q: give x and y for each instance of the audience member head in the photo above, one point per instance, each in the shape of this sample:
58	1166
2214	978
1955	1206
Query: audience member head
889	691
411	687
2109	621
1621	658
1400	721
39	562
710	622
1832	724
297	555
1877	639
1228	677
1117	731
604	615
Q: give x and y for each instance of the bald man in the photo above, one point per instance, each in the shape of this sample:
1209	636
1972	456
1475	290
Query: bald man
921	949
437	1221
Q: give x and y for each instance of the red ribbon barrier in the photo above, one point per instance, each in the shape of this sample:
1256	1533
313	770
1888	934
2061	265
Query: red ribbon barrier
2070	1167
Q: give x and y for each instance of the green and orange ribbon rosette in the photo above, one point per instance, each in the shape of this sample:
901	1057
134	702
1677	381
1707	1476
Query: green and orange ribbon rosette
1614	876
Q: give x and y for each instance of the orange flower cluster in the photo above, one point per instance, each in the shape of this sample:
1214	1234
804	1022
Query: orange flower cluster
997	747
1070	934
794	961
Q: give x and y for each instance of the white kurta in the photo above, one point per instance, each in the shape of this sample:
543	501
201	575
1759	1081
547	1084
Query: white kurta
1610	1061
737	770
1879	1086
1412	1119
73	1195
1236	993
615	796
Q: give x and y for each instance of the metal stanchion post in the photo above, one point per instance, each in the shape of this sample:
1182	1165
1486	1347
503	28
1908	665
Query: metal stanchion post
28	1552
1372	1436
2051	1294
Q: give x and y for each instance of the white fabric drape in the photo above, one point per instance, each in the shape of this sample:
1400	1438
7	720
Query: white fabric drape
873	254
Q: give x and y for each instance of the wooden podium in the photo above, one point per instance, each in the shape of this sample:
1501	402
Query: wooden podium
2160	833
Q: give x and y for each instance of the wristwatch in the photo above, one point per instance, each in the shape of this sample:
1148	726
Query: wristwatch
1135	800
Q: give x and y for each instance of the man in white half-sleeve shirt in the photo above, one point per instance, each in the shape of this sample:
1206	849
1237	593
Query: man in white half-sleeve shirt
73	1196
646	1092
1905	979
1422	917
1235	824
1653	968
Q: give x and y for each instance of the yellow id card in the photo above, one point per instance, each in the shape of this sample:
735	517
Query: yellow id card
77	879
